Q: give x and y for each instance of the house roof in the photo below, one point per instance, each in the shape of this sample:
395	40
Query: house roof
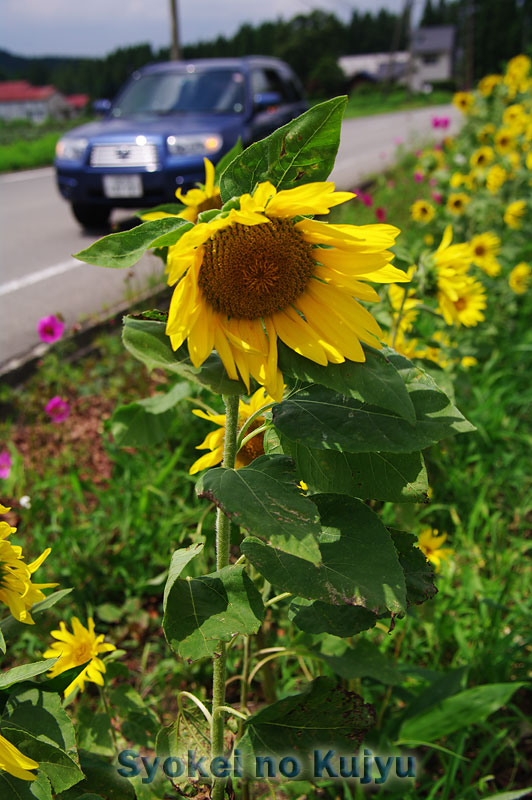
77	101
433	39
16	91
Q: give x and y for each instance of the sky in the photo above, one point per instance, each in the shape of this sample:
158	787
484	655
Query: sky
96	27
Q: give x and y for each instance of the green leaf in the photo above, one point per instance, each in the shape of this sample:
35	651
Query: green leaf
319	617
14	789
147	421
264	499
164	208
225	160
101	779
374	381
419	573
148	342
396	477
362	660
458	712
139	724
180	558
60	768
119	250
510	795
41	714
320	418
23	673
298	153
2	642
94	732
360	565
199	612
451	683
324	716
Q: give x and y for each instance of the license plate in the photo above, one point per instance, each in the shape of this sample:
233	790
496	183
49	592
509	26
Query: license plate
122	186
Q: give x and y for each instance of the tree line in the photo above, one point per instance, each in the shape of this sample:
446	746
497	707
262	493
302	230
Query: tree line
488	33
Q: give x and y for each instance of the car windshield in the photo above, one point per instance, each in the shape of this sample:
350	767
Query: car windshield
209	90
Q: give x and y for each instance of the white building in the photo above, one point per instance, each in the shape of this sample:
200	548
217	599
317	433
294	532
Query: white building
21	100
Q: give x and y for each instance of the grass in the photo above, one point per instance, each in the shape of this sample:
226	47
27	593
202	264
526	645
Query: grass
367	103
25	145
112	517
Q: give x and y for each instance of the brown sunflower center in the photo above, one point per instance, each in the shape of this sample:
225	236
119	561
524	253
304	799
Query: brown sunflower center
460	304
480	250
252	448
82	653
252	271
210	202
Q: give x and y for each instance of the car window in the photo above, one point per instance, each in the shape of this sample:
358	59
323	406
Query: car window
218	91
270	80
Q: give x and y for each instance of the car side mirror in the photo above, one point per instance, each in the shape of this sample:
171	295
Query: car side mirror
101	106
263	100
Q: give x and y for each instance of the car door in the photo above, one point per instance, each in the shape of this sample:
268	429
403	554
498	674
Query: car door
269	83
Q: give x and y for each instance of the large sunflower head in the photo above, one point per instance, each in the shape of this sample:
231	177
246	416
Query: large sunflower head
263	269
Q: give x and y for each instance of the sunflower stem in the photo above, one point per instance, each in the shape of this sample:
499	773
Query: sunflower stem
223	531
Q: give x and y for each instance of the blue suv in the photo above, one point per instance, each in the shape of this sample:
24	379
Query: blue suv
154	135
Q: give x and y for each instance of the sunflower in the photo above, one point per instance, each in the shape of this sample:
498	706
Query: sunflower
457	202
485	134
16	589
263	270
514	212
504	140
488	84
214	441
464	101
404	300
430	543
422	211
481	157
451	260
16	763
495	178
205	197
520	277
464	306
484	249
76	648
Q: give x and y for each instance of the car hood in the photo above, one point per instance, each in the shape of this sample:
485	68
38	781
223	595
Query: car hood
112	129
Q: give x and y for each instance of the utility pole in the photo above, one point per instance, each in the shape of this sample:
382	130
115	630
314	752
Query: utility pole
175	53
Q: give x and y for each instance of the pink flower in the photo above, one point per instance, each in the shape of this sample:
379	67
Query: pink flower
380	213
366	199
50	329
398	141
437	197
433	182
444	122
418	176
5	463
437	147
57	409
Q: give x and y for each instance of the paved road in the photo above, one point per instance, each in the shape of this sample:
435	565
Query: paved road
38	235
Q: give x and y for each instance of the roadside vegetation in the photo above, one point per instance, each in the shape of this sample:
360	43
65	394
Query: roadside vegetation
113	508
25	145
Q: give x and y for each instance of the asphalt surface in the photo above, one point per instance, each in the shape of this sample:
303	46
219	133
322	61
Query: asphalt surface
38	235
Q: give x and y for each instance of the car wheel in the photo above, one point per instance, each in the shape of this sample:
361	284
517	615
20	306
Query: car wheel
91	216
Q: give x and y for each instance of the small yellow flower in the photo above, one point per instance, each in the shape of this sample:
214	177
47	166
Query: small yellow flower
504	140
76	648
485	134
484	249
430	543
514	116
488	84
16	588
428	239
203	198
513	214
482	157
214	441
518	67
466	303
464	101
16	763
520	277
529	161
496	176
422	211
468	361
457	203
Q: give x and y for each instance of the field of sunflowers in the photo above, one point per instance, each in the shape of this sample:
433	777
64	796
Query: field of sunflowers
101	484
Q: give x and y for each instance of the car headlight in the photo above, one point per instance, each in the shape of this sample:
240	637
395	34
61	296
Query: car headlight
200	144
71	149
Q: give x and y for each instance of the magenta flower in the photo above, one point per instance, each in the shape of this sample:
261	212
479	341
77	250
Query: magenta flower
435	122
5	463
380	213
50	329
366	199
57	409
418	176
444	122
437	197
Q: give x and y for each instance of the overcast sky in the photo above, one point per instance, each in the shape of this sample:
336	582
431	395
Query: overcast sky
95	27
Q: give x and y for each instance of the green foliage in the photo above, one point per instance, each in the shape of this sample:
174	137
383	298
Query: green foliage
304	150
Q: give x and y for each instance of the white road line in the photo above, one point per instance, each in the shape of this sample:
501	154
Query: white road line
41	275
27	175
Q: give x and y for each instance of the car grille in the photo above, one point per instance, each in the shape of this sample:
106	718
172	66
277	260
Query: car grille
124	155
